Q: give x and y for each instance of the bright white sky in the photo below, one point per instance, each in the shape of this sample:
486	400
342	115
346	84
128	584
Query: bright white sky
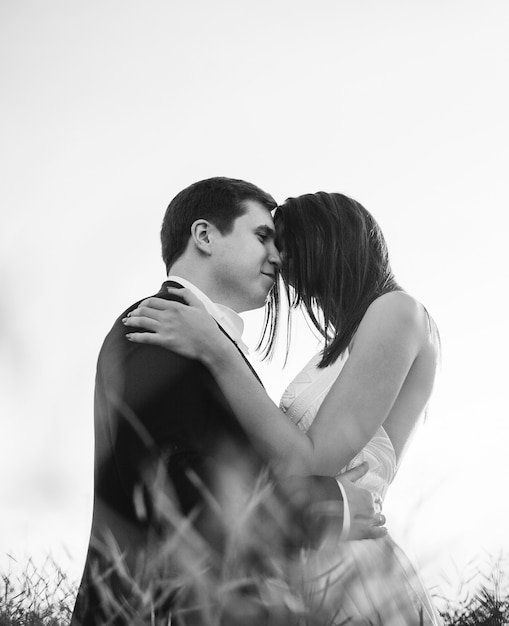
109	108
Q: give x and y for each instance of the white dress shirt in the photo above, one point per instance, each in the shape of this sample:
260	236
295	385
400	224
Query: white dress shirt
227	318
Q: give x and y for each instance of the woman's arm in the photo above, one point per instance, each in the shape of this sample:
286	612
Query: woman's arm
192	332
389	339
386	344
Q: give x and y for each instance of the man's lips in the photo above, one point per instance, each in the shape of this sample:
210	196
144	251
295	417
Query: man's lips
271	276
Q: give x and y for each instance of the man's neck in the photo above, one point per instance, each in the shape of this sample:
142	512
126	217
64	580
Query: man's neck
203	281
227	318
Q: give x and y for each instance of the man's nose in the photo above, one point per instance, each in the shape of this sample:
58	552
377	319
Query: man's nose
275	257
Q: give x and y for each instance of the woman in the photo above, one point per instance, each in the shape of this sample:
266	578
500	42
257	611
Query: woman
360	399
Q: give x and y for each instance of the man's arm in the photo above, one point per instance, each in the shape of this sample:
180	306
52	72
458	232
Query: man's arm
320	511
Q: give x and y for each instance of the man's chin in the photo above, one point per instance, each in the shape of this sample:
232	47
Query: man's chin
256	304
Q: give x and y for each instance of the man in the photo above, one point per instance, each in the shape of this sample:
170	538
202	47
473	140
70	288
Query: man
172	463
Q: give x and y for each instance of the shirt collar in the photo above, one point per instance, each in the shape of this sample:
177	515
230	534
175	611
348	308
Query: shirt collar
227	318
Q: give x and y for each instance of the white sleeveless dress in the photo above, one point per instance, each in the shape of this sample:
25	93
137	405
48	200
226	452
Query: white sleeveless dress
369	581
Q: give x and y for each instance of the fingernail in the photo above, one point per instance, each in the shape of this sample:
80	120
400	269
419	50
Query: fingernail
124	320
128	336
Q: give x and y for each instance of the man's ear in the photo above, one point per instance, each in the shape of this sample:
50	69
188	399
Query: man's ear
201	235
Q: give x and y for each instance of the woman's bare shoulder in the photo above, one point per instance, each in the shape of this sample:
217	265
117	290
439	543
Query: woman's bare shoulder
402	311
399	306
398	311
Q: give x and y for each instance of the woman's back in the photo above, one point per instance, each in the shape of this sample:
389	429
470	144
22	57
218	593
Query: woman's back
410	405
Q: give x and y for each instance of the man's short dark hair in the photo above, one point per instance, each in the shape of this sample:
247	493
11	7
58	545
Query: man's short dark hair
219	200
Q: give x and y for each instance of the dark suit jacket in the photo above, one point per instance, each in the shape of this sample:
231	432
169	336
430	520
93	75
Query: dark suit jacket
165	440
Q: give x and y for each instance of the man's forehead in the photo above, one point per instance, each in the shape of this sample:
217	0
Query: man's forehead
258	212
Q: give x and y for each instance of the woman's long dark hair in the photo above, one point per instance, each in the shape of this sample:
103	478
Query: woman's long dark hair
335	264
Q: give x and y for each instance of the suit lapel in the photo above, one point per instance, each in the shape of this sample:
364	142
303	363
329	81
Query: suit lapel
163	293
242	354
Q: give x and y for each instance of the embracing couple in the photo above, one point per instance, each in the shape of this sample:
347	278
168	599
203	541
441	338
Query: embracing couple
212	505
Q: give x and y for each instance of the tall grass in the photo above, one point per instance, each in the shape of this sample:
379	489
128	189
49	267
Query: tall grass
44	596
39	595
253	579
482	596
